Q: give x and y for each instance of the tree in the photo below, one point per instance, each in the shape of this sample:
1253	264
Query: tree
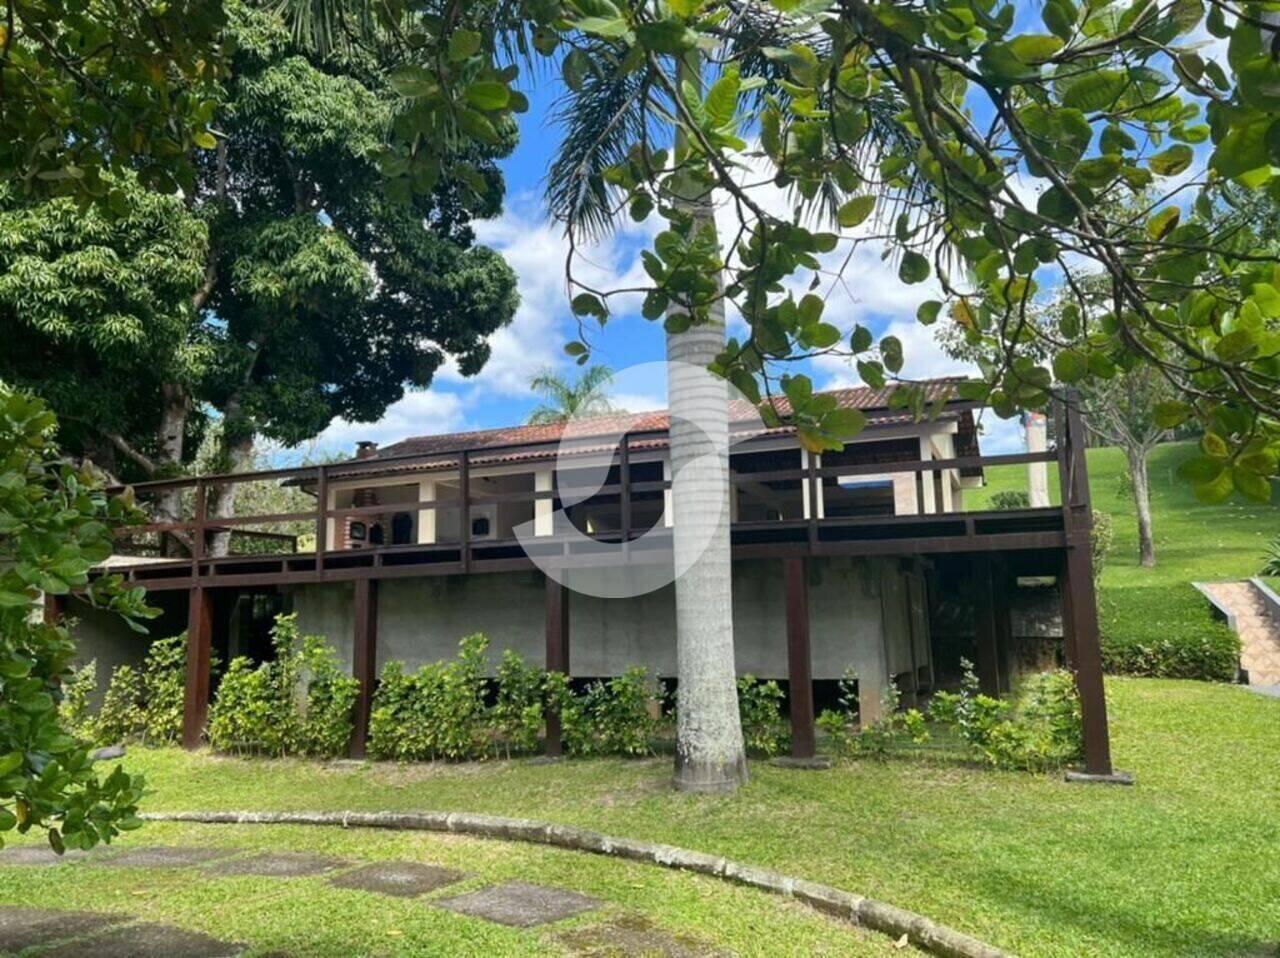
105	86
55	523
1121	411
1102	102
565	400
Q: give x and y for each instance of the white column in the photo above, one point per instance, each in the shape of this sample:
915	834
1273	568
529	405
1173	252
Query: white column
427	517
1037	472
543	509
804	486
928	503
330	524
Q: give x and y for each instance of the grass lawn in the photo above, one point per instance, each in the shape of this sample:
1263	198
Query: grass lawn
1185	863
1193	541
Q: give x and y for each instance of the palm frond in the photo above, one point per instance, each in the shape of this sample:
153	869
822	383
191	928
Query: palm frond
600	121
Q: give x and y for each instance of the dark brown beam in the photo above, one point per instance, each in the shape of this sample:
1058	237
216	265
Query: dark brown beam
464	495
364	661
1086	653
799	658
199	638
985	629
557	653
624	482
1000	586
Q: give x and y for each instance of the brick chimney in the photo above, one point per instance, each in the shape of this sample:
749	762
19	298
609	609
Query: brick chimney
366	449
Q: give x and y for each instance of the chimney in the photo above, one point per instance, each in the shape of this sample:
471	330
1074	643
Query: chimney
366	449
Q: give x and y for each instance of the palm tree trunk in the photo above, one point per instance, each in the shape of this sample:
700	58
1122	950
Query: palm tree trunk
709	750
1142	501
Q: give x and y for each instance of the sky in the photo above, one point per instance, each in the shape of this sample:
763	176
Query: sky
871	294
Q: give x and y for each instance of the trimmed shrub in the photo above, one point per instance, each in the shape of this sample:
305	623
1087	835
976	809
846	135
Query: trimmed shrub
1100	537
760	709
300	703
613	717
123	716
73	709
1011	499
164	688
517	713
1165	632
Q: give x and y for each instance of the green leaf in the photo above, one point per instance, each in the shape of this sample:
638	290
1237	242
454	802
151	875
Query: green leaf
1060	17
845	422
588	304
463	44
1251	485
1217	489
1214	445
1162	222
411	80
855	211
1201	469
205	140
1070	366
860	339
927	313
488	94
1172	161
1170	413
914	268
609	27
666	36
1033	48
575	348
1095	90
1236	347
891	353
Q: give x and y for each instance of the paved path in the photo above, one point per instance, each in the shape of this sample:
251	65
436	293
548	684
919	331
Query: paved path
1259	635
57	933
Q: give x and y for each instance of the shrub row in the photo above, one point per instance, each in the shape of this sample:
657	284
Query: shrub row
1164	632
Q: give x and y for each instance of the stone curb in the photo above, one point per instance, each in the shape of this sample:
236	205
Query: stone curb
867	912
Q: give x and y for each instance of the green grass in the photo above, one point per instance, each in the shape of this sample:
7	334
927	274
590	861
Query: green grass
1184	863
1194	542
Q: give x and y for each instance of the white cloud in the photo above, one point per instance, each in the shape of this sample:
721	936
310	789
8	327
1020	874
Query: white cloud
421	413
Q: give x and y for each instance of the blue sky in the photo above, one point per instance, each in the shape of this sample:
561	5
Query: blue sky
869	293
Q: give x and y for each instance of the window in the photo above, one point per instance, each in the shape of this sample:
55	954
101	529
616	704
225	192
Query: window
401	529
357	531
480	527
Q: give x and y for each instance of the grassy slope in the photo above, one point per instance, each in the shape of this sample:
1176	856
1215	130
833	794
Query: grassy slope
1194	541
1182	864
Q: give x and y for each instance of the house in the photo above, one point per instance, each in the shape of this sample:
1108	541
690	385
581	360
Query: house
864	559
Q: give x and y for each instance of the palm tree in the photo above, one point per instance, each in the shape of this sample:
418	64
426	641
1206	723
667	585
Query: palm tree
565	399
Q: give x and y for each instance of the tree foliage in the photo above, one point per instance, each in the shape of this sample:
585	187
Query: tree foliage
55	523
1015	144
105	86
565	399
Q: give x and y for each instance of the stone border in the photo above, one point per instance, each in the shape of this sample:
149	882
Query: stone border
866	912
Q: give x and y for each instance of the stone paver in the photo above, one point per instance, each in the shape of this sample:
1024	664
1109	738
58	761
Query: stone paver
279	865
166	856
146	940
24	927
404	879
520	904
630	936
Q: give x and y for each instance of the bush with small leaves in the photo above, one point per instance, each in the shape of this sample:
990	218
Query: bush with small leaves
1011	499
1271	560
73	710
848	736
1100	536
518	711
330	699
760	709
164	688
123	717
612	717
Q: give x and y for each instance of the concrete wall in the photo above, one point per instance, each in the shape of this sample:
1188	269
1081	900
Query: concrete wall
421	620
105	638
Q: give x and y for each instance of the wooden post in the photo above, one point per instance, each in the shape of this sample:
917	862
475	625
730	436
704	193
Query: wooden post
624	482
557	653
464	497
199	637
1080	602
197	527
364	661
799	657
55	607
1000	584
985	628
322	515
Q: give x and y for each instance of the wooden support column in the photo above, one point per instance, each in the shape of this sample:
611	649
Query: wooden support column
557	653
55	607
1000	587
799	657
1080	601
199	637
364	661
986	631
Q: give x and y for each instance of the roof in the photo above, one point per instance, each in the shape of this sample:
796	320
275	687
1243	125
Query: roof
510	444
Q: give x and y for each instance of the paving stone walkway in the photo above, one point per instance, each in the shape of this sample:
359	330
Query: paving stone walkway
1259	635
63	934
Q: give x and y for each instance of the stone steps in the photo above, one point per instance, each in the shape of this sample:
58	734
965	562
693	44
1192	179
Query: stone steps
1248	612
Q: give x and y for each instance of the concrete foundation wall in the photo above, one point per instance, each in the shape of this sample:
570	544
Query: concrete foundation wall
104	638
857	608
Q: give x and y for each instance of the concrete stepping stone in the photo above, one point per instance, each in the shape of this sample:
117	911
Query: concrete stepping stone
22	928
279	865
632	935
520	904
166	856
404	879
147	940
